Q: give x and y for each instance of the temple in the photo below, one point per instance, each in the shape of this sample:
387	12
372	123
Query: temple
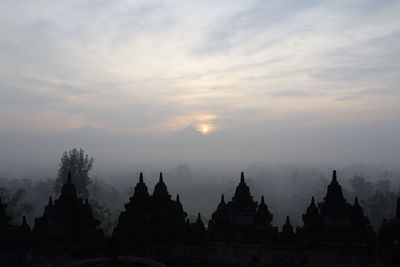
152	218
154	230
335	220
242	219
67	227
287	234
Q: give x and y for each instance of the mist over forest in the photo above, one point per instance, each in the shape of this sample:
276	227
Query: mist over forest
192	168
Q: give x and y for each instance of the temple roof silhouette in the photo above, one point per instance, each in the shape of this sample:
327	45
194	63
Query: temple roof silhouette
160	189
151	216
141	191
334	202
262	214
157	226
67	222
241	218
334	219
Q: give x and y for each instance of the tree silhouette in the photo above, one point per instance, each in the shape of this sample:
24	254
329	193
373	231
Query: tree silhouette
79	164
16	205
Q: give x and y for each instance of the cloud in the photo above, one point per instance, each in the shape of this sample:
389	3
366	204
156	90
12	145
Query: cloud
161	66
369	92
291	93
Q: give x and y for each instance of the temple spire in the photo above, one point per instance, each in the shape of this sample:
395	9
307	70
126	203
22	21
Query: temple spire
334	199
177	198
24	228
141	191
312	210
199	223
50	200
334	178
222	203
358	218
262	214
335	205
287	228
68	191
242	194
160	189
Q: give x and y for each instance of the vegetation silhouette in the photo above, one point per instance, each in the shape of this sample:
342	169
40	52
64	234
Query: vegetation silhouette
79	165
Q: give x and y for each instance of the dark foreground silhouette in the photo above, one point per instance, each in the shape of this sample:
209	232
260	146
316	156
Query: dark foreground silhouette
152	231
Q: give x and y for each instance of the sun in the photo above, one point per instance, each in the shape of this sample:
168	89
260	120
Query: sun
205	129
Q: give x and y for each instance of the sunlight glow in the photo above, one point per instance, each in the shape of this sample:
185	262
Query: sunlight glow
205	128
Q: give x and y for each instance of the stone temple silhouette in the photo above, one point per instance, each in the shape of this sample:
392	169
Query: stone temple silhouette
67	226
153	231
150	218
335	220
242	219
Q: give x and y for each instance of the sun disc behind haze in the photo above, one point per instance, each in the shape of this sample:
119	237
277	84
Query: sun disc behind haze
204	129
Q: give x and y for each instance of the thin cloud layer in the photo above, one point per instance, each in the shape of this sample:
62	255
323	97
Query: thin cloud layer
156	67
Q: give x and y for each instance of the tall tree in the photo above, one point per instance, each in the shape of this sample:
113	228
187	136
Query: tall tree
79	164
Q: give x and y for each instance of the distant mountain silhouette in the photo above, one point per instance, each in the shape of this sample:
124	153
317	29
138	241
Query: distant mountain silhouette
189	134
88	132
86	129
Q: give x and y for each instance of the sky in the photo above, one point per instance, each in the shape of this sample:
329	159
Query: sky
297	75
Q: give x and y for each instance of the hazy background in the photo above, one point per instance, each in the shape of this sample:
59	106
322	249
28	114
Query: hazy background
284	88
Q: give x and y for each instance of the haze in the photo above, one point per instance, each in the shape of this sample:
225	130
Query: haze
135	83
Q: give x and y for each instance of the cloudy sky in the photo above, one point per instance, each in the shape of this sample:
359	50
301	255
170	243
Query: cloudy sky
157	67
